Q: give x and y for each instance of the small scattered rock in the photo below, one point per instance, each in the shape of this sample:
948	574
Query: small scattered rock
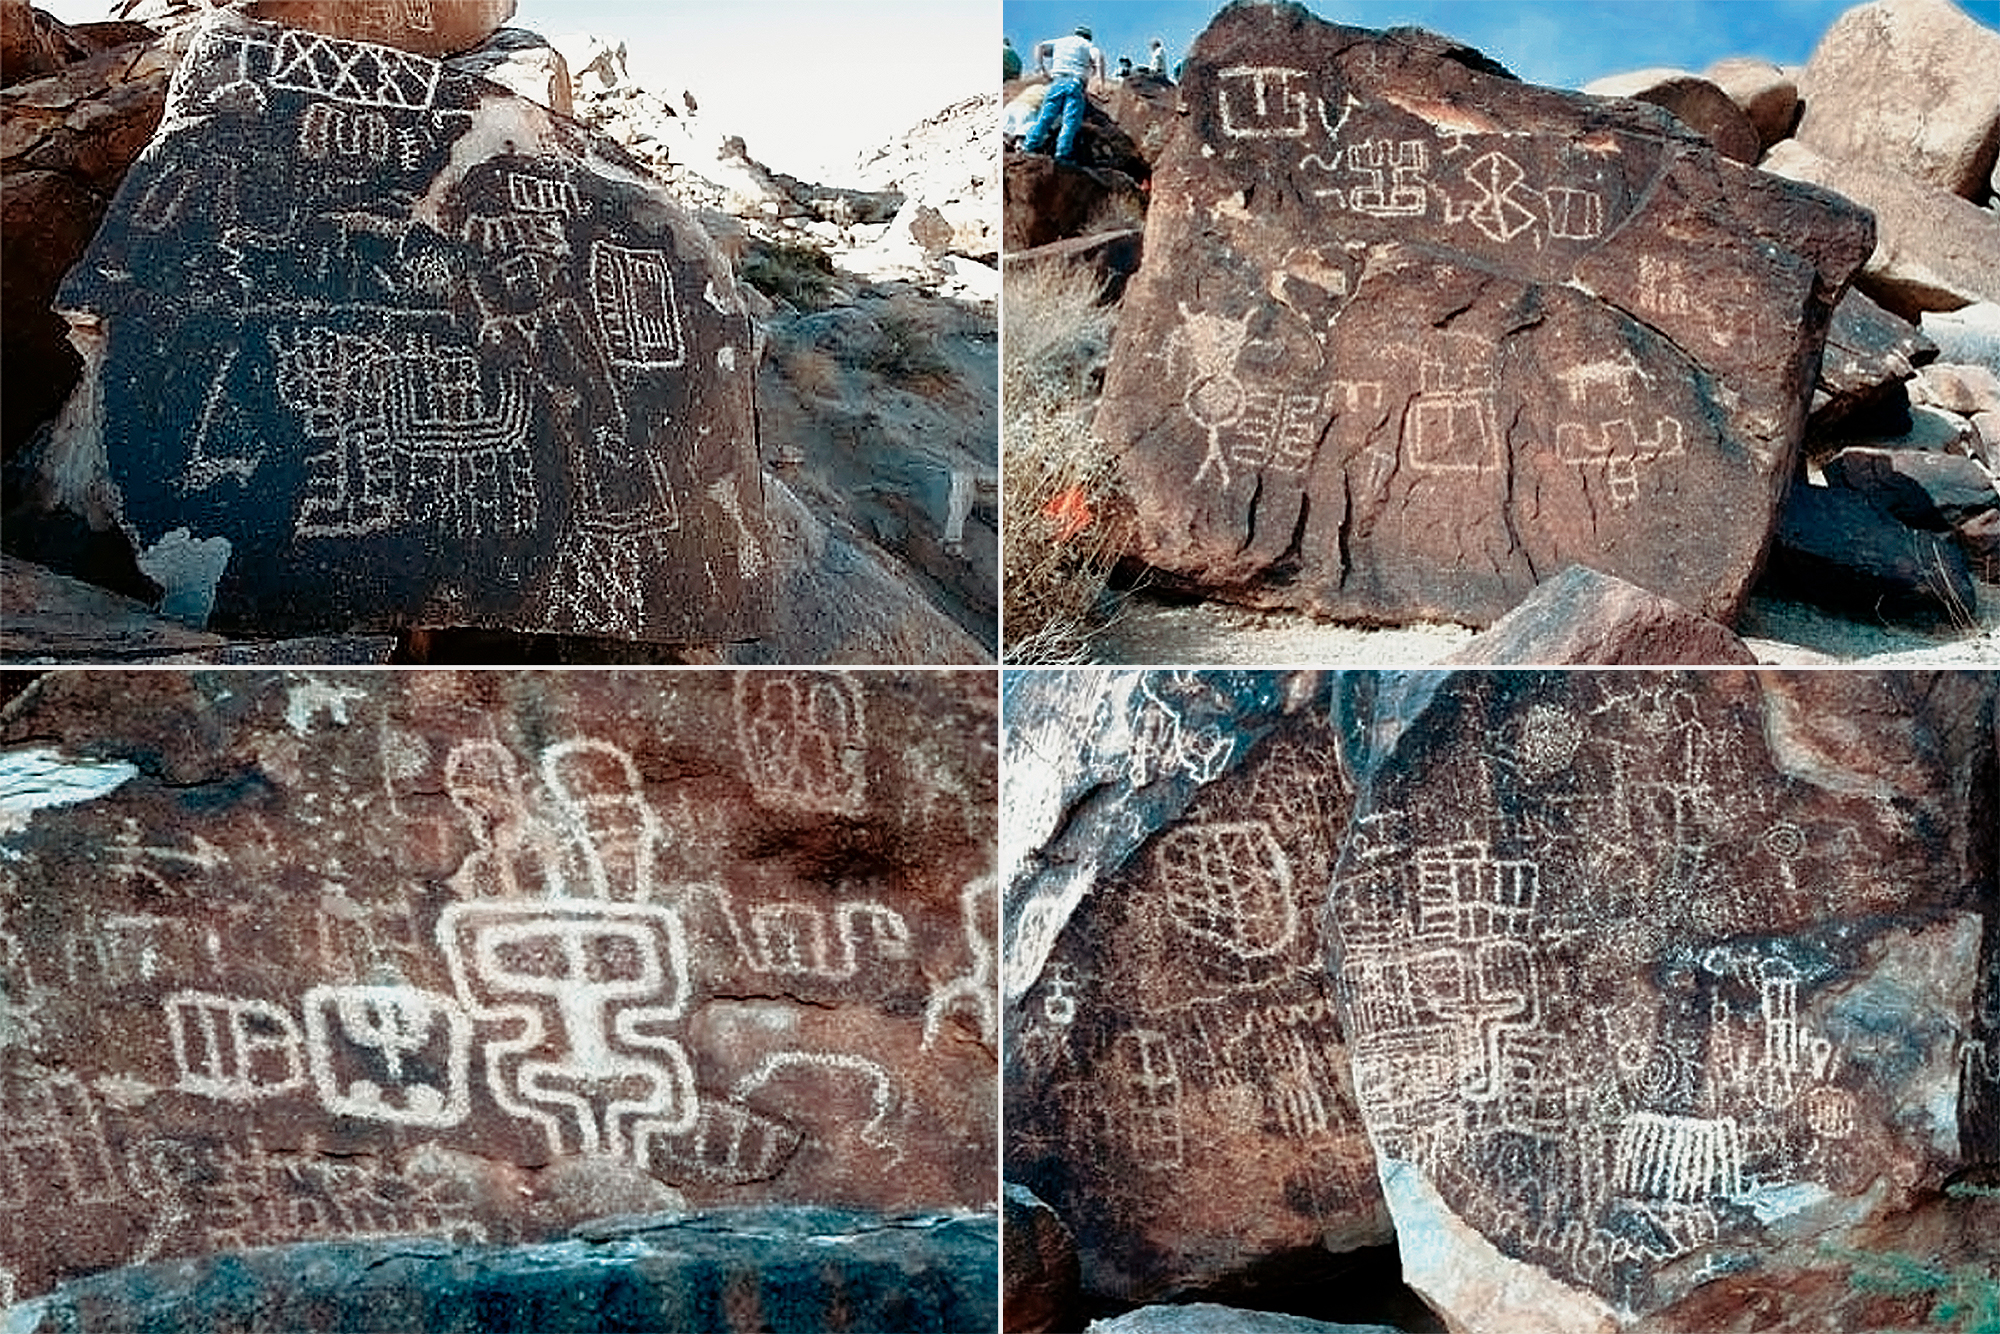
1209	1318
1869	355
1581	617
1966	390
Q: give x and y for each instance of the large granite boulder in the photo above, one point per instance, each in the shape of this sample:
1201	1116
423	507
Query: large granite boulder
1841	549
1176	1084
1768	94
1409	335
1906	85
370	343
324	957
1670	995
1048	200
1934	251
795	1270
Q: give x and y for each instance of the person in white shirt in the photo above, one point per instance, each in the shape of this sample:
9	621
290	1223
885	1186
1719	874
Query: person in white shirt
1072	61
1157	62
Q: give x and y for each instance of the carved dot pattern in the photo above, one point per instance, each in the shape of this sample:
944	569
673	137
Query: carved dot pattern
1550	738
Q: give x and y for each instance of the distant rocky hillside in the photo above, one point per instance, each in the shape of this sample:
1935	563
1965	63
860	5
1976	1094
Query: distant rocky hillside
865	528
1401	339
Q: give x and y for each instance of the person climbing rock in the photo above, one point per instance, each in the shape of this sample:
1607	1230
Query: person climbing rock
1071	61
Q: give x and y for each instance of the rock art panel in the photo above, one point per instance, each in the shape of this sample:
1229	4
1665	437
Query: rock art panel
1177	1087
371	343
320	957
1410	336
1652	981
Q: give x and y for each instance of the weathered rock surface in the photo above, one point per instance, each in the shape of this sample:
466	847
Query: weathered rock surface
1049	201
778	1269
1965	390
1038	1265
31	43
1695	101
455	362
1933	250
1581	617
1969	335
46	617
521	62
1923	488
1111	257
1838	549
432	28
1908	86
1768	94
300	957
1409	335
1869	354
65	143
1209	1318
1146	106
1176	1088
1661	989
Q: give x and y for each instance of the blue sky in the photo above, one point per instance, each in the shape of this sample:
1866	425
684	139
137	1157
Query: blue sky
1564	43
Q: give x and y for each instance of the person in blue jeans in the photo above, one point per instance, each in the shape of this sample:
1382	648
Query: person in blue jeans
1072	61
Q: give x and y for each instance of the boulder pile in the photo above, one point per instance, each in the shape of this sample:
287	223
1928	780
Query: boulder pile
1409	338
1656	1001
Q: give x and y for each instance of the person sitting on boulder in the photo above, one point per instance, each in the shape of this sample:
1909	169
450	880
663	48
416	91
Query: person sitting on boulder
1157	61
1124	68
1072	61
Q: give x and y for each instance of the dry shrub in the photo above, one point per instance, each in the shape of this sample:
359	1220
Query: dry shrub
1057	486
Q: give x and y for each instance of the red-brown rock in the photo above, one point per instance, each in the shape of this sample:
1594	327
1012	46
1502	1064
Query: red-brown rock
1409	336
1768	94
1177	1089
1146	106
1110	257
1048	201
1695	101
1907	86
65	143
435	28
1581	617
335	956
1661	986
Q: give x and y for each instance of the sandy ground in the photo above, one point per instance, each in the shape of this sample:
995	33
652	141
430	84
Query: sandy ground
1779	633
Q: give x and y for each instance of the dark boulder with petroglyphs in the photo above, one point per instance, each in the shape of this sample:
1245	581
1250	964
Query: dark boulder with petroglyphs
801	1270
1177	1089
370	343
1410	335
1670	996
480	957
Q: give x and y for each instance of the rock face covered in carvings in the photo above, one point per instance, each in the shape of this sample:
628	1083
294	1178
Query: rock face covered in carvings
1176	1085
369	342
1409	335
298	958
428	27
1668	994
